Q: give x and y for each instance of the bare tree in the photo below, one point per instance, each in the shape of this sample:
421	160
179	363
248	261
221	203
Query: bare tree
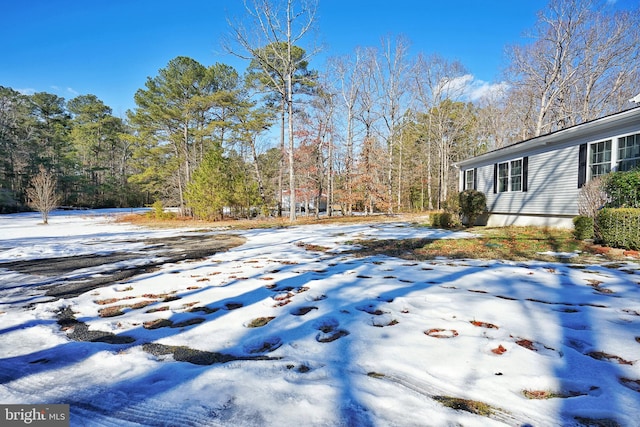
368	102
42	194
592	197
275	28
496	124
345	73
438	80
580	65
392	76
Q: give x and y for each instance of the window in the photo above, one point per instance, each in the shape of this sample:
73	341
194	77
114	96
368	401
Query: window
511	176
503	177
469	179
628	152
516	175
600	158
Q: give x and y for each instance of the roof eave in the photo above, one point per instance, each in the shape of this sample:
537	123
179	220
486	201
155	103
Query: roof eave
557	137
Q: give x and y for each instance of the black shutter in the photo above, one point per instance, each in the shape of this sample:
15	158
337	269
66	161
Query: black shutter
495	178
475	178
525	173
582	165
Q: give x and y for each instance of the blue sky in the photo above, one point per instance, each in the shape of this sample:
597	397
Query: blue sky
109	47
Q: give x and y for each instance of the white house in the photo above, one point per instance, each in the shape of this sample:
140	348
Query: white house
537	181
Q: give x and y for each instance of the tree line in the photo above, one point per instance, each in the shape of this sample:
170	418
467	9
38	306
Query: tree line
373	131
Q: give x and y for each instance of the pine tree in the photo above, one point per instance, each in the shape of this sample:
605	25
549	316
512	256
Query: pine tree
211	188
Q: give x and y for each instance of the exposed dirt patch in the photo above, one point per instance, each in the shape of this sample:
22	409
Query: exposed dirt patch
601	355
549	394
483	324
597	422
499	350
473	406
197	357
632	384
301	311
441	333
371	309
329	331
163	250
79	331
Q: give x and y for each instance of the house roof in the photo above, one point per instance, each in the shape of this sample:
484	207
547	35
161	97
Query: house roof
557	137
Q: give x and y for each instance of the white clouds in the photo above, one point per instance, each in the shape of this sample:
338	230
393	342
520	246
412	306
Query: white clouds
64	92
468	88
480	89
456	87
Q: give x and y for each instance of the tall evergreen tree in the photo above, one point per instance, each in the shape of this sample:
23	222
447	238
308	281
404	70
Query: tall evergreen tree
186	107
212	186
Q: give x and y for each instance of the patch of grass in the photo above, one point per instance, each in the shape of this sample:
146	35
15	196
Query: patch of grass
468	405
112	311
312	247
510	243
157	324
260	322
204	309
189	322
548	394
244	224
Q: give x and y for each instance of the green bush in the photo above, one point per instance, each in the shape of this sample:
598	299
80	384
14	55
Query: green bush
583	227
619	227
623	189
472	203
157	211
451	204
444	220
434	219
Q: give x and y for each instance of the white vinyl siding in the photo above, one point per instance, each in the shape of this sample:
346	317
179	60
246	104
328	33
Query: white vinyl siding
554	169
552	189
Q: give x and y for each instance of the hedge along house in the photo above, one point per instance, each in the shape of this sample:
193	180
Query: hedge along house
537	181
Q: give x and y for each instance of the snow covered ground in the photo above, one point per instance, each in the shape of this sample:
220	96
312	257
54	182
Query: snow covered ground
273	333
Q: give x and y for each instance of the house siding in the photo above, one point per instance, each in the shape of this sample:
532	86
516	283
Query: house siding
552	185
553	168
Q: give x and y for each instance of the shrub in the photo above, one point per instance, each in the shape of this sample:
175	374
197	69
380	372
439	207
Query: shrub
583	227
619	227
451	204
592	197
157	211
444	220
434	219
623	189
473	203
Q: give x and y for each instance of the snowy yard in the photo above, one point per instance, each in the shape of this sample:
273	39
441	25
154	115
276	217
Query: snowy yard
272	332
